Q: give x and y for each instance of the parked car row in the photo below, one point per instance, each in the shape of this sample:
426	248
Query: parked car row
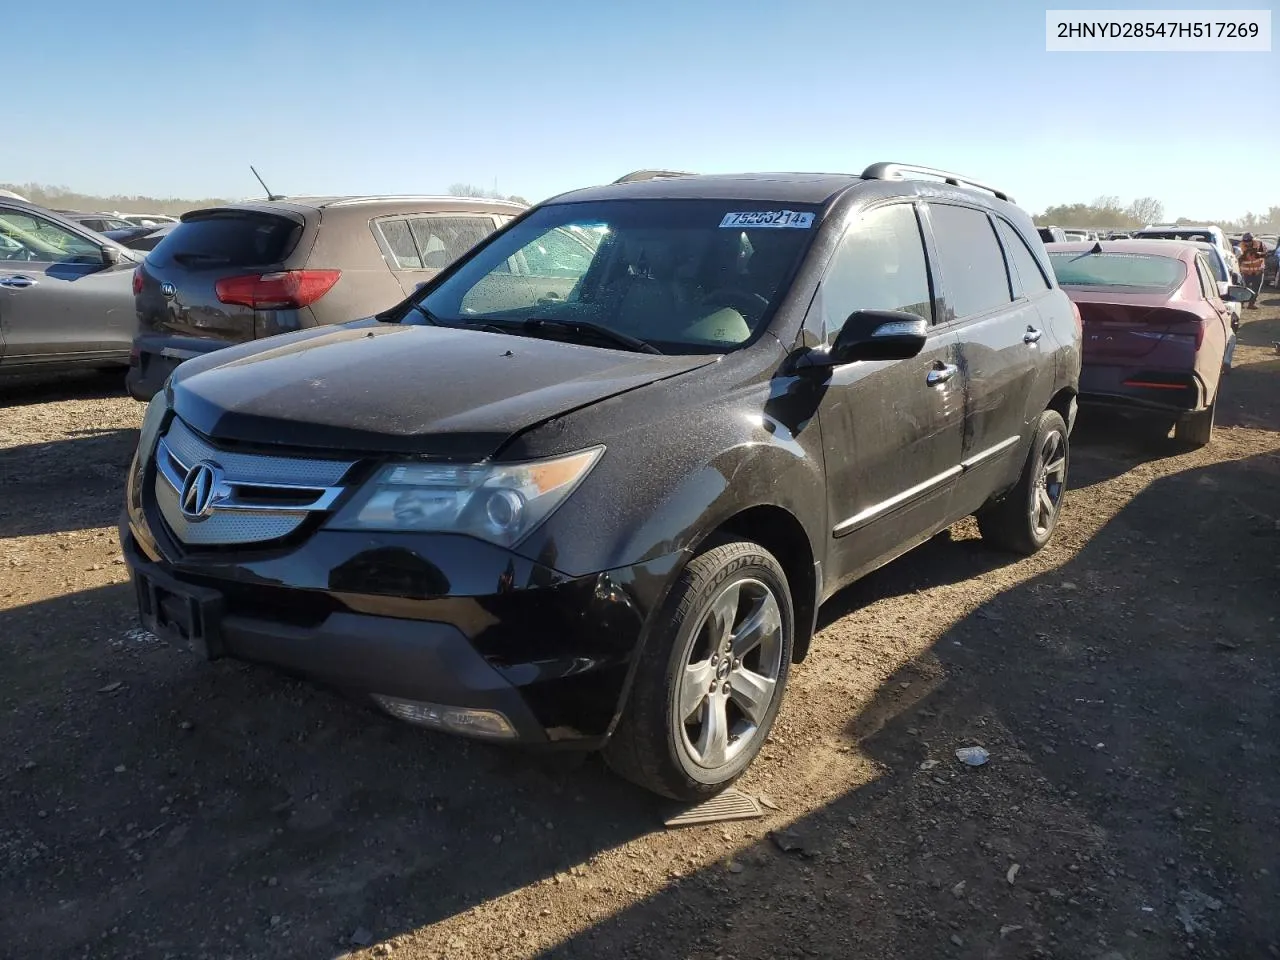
1159	327
243	271
72	296
582	474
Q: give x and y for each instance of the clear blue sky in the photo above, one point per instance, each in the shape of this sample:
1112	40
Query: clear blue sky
177	98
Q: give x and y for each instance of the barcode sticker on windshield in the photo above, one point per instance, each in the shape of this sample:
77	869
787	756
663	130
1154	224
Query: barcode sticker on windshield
769	218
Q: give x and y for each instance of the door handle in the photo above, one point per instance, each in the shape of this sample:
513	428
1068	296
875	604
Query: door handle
17	283
1031	336
941	374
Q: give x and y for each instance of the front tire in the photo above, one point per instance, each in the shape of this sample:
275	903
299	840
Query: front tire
711	678
1023	521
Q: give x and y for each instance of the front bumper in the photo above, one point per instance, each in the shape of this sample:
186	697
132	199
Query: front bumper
444	620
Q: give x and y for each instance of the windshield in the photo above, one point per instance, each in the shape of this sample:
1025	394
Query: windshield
685	276
1137	271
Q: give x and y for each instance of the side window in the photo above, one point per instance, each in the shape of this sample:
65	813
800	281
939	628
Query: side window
441	240
879	265
1207	283
28	238
1030	277
972	266
398	241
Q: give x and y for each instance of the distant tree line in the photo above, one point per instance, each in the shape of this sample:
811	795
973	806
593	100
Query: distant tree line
1105	212
64	198
469	190
1109	213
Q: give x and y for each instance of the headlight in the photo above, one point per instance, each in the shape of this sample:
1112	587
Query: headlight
501	502
152	421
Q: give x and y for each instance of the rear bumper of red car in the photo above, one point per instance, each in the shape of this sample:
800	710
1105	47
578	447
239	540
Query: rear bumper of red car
1155	391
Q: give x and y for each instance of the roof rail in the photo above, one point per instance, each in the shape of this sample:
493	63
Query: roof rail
899	171
637	175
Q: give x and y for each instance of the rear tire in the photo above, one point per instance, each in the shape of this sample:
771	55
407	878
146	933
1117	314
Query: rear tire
1023	520
1197	430
711	678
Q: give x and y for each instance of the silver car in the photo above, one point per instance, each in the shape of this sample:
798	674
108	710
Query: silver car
66	293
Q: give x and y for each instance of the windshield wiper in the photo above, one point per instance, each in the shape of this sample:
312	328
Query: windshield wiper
599	331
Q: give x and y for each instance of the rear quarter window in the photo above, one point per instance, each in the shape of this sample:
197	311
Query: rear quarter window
229	239
1026	268
441	240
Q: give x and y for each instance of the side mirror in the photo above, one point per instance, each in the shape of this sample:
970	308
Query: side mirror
110	256
1237	293
872	335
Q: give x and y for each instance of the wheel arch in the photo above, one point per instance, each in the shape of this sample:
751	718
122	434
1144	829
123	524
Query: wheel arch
1064	402
781	533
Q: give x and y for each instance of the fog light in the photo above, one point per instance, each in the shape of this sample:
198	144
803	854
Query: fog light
464	720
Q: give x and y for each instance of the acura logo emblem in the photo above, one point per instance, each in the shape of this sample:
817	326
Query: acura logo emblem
169	290
201	490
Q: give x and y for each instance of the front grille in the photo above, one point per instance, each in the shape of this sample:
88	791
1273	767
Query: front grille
255	498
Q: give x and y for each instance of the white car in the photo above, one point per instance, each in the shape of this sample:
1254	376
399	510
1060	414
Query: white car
147	219
1194	232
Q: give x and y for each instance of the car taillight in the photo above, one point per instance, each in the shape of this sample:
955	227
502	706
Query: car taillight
286	290
137	280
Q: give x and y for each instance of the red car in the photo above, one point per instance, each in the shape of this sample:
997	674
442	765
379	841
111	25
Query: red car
1157	333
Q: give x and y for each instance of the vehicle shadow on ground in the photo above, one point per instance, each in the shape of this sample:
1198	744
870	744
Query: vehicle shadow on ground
244	797
1258	383
236	791
32	388
62	485
1261	332
1133	747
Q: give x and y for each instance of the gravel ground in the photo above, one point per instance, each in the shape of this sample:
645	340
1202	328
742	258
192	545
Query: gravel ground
1124	683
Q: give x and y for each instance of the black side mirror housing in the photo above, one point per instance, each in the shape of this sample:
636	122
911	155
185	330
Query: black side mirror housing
110	256
1238	293
872	335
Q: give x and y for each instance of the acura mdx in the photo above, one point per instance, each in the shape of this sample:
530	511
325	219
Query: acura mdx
589	485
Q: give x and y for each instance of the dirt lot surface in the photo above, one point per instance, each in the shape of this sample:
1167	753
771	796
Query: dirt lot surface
1125	683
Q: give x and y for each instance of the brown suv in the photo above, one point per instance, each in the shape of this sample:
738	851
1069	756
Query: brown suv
249	270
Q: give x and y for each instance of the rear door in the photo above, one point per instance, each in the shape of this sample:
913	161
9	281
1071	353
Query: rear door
419	246
59	300
1217	343
1000	332
179	293
891	430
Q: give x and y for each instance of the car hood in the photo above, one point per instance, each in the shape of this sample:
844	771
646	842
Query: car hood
383	387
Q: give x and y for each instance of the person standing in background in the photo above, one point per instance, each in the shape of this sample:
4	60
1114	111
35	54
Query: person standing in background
1253	264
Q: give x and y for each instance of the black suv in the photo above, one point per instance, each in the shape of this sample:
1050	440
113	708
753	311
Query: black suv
590	485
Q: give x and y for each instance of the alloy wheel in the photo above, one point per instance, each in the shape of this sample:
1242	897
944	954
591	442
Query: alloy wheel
1051	482
730	676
